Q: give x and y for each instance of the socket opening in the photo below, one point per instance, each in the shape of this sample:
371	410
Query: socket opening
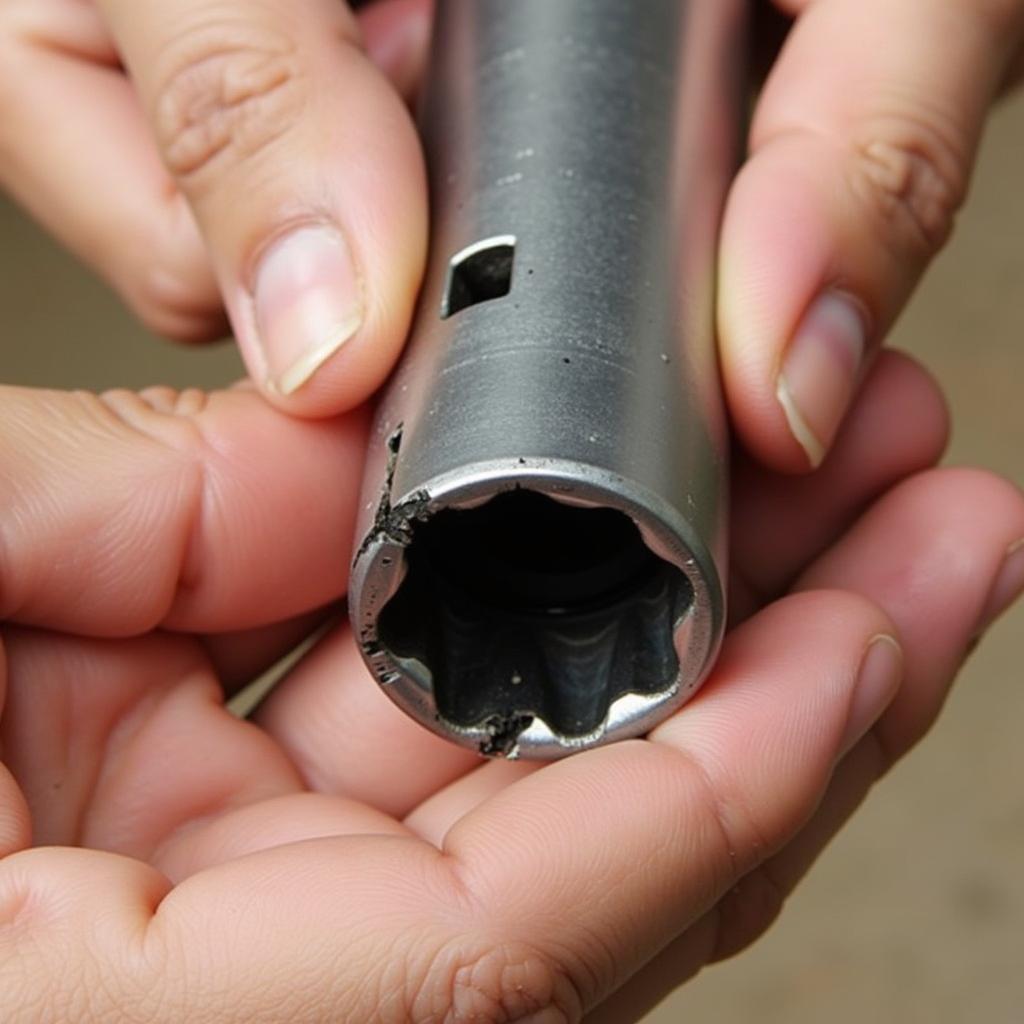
525	607
479	273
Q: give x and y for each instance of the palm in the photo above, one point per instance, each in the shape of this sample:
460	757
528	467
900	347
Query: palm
124	745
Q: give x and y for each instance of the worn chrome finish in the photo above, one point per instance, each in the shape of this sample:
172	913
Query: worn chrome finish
542	548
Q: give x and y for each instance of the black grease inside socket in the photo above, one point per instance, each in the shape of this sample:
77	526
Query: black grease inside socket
525	606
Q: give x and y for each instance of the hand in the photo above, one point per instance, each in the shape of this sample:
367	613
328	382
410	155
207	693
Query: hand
861	150
333	861
242	156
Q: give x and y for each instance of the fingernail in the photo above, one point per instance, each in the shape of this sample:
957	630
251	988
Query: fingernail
819	371
308	302
881	673
1008	587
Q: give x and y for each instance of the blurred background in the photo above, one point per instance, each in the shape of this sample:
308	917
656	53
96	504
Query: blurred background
916	913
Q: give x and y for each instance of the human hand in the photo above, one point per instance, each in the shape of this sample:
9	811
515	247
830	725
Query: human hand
240	156
861	150
335	862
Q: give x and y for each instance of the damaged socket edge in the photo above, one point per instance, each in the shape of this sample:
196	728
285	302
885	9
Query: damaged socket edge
510	661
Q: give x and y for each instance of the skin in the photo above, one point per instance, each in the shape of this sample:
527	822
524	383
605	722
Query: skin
330	861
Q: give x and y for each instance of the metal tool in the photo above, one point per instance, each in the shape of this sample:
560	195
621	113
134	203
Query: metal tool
541	554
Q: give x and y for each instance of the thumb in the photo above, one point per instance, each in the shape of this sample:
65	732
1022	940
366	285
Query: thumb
305	175
861	152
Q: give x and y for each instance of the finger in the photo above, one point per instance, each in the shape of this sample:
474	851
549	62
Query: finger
198	513
276	102
721	787
857	167
70	124
899	557
779	524
946	564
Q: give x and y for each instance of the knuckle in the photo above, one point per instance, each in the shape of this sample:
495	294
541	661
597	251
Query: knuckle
912	176
230	90
495	984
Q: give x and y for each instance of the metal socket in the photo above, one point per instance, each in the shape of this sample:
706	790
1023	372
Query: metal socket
542	547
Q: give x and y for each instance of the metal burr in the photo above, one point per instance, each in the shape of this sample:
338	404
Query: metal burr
541	554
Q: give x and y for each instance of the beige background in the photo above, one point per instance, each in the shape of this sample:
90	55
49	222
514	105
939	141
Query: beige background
916	913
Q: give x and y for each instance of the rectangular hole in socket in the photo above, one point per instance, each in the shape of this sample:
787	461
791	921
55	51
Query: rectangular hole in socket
480	273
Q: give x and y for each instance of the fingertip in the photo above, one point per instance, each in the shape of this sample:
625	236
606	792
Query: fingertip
814	640
362	330
843	620
794	338
858	169
303	170
324	309
387	220
930	553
